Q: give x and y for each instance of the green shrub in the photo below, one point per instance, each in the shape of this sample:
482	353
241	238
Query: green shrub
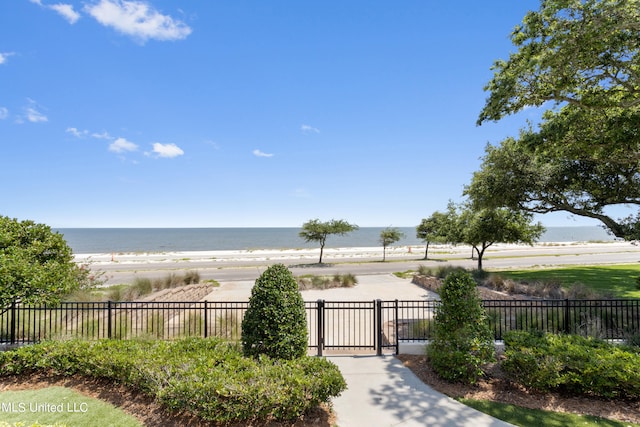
208	378
571	363
275	323
463	341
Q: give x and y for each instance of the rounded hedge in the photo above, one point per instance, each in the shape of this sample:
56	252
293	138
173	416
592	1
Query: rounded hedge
275	323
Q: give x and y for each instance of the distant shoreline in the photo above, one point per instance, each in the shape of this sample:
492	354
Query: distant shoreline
412	252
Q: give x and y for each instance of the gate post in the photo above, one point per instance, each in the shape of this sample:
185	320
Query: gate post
378	326
320	328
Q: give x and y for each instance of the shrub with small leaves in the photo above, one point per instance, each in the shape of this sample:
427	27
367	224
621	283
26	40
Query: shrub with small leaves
463	341
275	323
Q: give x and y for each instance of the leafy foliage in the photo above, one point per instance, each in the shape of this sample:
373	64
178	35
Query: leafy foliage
36	264
275	323
388	237
572	363
584	56
481	228
463	341
583	53
205	377
318	231
432	230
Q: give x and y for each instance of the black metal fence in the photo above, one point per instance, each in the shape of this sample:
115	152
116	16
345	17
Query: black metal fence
332	325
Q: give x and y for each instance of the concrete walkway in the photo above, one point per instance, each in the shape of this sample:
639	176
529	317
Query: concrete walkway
383	392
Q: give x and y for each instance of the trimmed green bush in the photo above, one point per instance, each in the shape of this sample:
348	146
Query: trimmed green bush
208	378
275	323
572	363
462	340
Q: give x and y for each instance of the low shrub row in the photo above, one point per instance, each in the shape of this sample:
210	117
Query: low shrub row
205	377
573	364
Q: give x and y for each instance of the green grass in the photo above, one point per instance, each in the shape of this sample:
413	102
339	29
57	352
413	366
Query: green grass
525	417
619	280
60	405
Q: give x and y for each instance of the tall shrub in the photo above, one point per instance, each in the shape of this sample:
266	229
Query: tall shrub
463	342
275	323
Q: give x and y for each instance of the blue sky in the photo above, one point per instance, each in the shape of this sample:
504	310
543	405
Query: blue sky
208	113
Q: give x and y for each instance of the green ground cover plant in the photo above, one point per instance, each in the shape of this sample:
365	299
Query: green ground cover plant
60	406
525	417
208	378
573	364
618	280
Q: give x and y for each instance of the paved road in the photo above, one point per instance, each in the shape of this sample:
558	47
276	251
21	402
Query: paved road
248	267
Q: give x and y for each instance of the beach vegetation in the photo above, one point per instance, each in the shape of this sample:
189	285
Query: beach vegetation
36	264
275	323
432	230
207	378
317	231
388	237
310	281
462	339
579	60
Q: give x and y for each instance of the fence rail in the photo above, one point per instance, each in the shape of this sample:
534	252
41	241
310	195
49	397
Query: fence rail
335	325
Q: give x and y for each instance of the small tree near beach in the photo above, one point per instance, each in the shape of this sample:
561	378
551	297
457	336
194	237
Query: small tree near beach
463	341
318	231
275	323
388	237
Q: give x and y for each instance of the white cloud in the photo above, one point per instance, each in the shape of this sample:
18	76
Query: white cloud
121	145
259	153
63	9
167	150
77	133
4	56
4	113
103	135
67	12
35	116
137	19
309	129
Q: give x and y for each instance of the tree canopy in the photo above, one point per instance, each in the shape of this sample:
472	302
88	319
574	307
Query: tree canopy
577	52
36	264
317	231
432	230
388	237
481	228
582	56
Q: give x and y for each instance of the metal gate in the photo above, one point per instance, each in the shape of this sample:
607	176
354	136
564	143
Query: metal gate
352	325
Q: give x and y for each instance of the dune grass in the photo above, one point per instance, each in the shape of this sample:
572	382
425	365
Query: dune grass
525	417
618	280
60	406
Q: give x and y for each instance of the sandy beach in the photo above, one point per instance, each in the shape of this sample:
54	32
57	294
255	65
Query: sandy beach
247	264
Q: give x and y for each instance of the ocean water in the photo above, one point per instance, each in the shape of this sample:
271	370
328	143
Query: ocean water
108	240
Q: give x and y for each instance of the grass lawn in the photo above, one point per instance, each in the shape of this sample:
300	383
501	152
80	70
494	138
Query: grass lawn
619	280
525	417
60	405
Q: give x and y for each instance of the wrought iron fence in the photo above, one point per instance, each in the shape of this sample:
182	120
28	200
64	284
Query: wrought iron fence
332	325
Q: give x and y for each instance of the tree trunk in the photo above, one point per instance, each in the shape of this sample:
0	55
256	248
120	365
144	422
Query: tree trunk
321	251
384	253
426	251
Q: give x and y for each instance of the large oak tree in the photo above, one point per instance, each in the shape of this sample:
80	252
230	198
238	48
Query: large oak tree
580	59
